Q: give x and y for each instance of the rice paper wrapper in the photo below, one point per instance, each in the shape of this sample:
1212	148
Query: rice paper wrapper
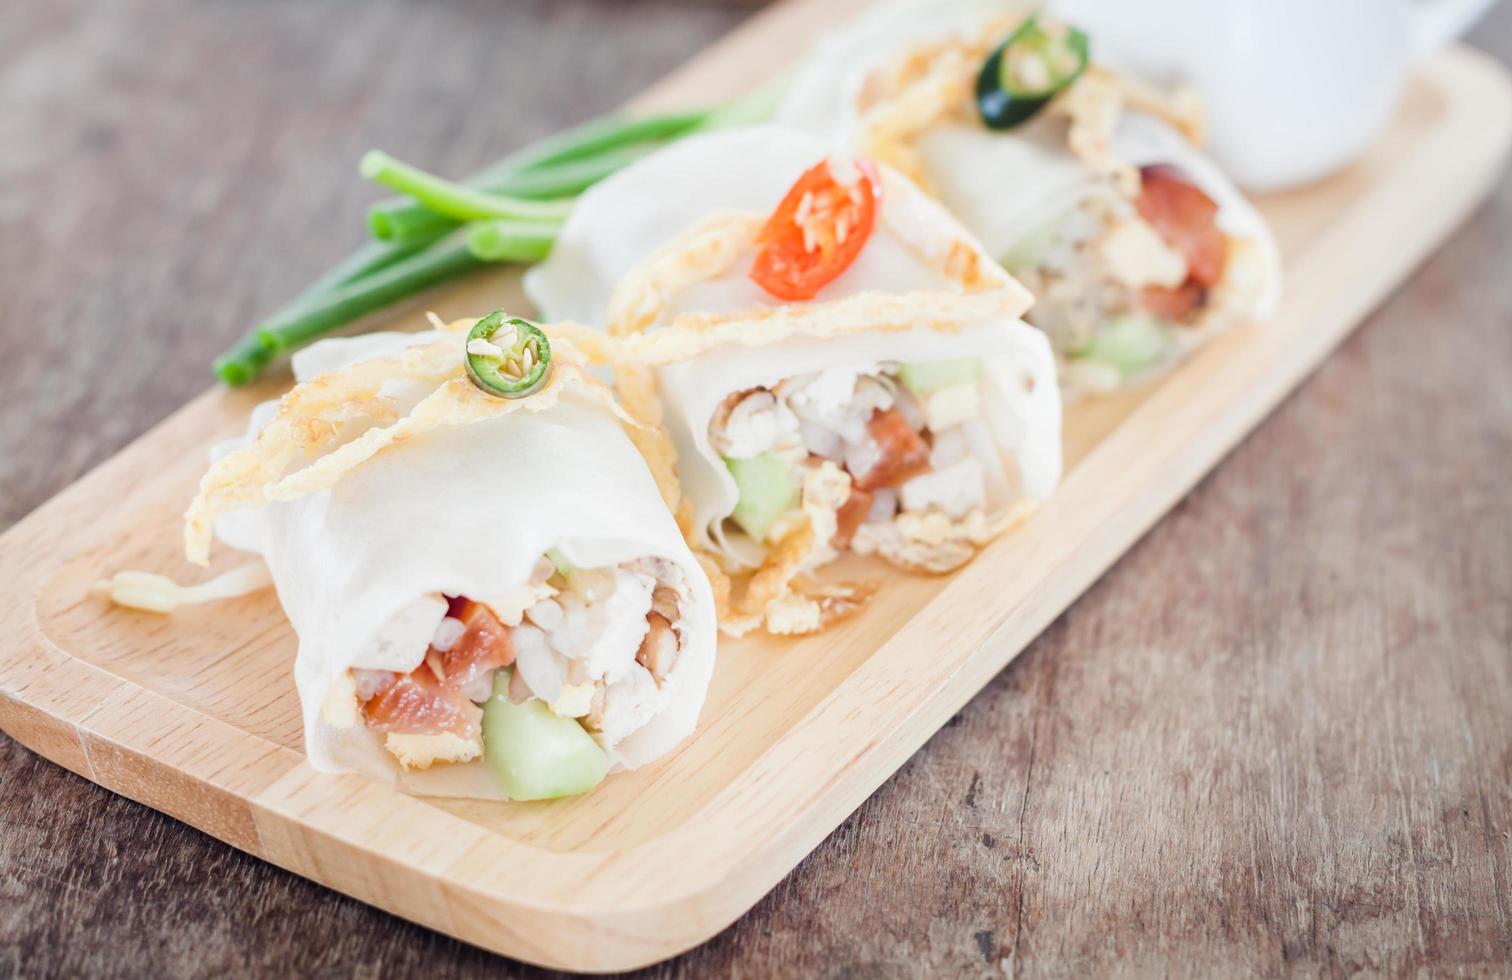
462	511
620	221
1021	405
1003	185
822	94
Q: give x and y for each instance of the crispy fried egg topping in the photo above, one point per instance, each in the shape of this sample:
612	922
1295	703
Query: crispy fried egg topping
310	443
934	81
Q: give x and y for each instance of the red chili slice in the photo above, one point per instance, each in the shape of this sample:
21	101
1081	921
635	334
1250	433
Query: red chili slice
905	454
817	231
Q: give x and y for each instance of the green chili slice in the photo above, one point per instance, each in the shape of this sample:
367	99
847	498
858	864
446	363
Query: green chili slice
1037	62
507	357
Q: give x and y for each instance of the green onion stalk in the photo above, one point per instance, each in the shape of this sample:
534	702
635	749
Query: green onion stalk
314	314
453	200
440	229
405	221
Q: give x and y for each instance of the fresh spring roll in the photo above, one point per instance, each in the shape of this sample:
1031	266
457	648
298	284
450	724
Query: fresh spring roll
491	599
836	363
1085	184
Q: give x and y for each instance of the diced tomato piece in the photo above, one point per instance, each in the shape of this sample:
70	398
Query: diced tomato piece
1176	305
905	454
1186	218
422	703
418	704
816	232
485	645
850	515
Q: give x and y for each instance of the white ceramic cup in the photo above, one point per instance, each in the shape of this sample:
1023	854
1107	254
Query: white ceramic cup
1294	89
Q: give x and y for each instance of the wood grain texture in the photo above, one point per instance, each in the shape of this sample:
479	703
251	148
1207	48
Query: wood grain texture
1283	742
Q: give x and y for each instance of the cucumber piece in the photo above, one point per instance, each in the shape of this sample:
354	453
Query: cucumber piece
926	377
1130	343
1029	252
766	492
563	566
534	754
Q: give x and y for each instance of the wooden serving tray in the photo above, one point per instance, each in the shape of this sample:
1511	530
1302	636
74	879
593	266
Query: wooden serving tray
196	714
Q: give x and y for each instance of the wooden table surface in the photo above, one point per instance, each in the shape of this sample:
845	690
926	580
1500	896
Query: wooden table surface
1277	736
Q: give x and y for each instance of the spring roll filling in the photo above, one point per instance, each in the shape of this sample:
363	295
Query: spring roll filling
1122	286
594	644
902	451
1129	277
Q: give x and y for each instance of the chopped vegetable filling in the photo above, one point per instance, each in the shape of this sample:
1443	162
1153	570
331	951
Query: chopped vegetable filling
419	703
535	753
902	452
1115	281
907	439
511	678
1185	217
